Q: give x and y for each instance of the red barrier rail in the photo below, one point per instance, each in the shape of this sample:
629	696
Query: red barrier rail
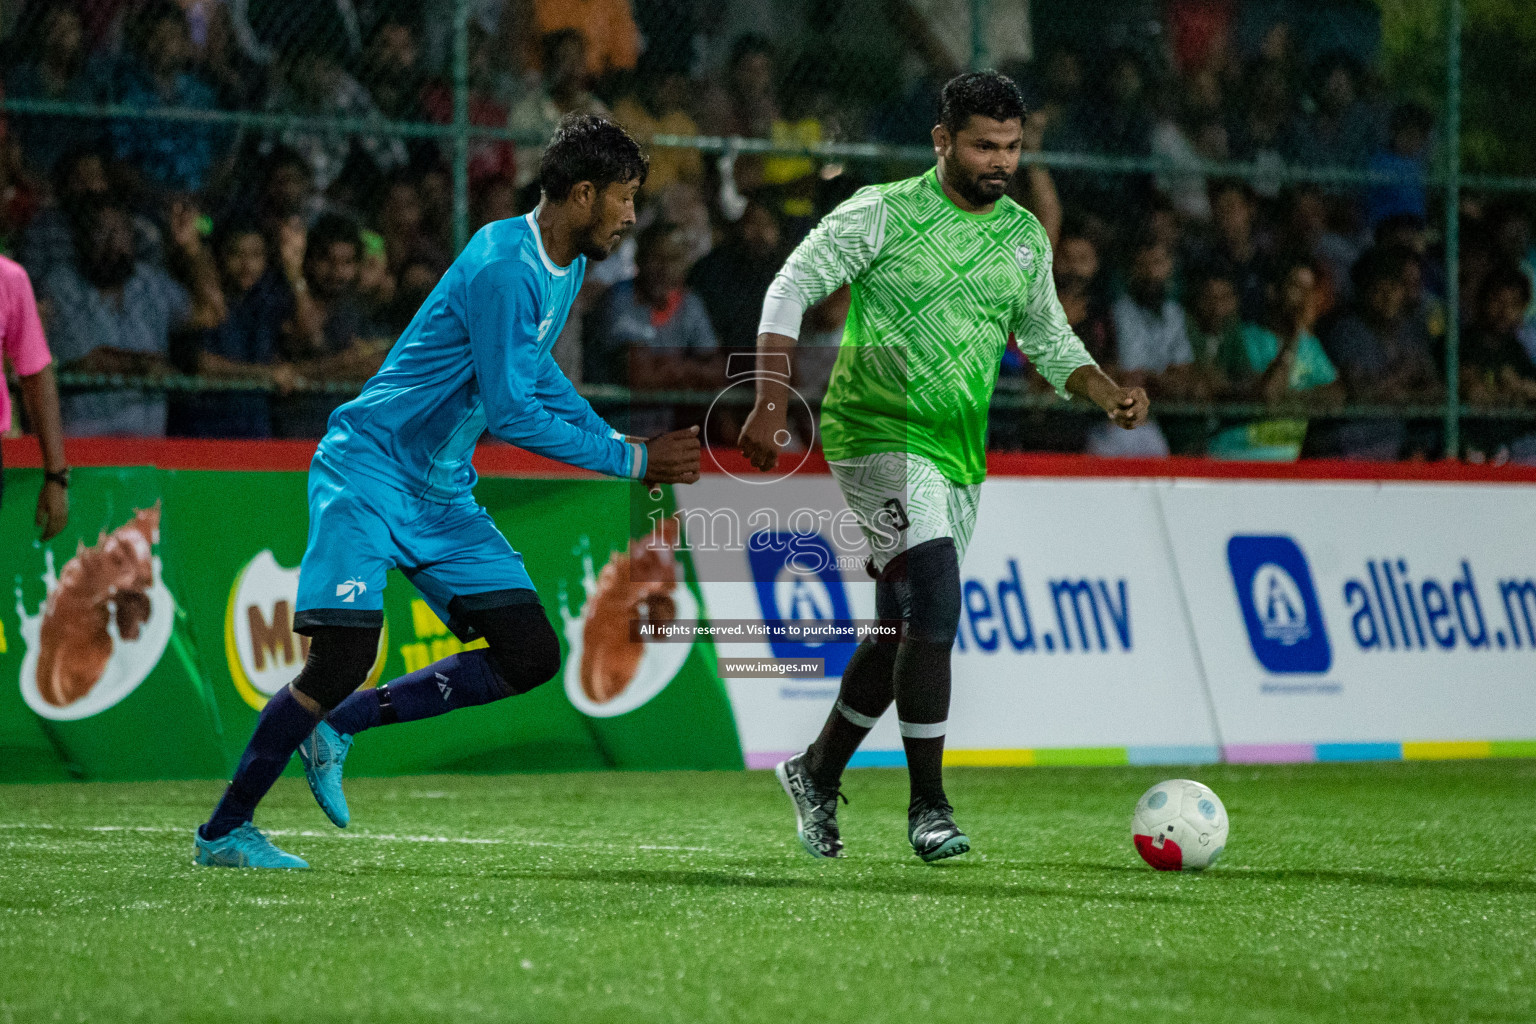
505	460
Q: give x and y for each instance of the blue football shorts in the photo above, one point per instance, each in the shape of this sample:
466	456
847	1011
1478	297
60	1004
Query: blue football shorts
360	528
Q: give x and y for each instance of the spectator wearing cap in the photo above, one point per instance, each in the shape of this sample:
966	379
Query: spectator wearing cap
108	312
1284	365
24	347
1380	358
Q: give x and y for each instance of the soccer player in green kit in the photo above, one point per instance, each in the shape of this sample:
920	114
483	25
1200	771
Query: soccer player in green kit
943	268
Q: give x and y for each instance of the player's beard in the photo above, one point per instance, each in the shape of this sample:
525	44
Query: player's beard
979	191
595	246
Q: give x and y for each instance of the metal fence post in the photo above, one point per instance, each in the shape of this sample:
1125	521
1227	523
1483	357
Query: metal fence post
460	125
1452	228
978	34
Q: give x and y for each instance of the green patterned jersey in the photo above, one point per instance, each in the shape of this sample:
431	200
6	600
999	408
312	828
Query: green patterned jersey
936	293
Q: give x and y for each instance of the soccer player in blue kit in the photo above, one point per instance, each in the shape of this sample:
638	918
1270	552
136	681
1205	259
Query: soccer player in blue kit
390	486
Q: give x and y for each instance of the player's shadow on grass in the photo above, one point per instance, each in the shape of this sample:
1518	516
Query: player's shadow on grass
1382	879
942	882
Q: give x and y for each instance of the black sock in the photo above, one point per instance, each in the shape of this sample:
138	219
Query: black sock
864	696
922	676
282	727
460	680
922	704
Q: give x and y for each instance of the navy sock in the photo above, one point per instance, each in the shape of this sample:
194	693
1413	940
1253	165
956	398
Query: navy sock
282	727
458	681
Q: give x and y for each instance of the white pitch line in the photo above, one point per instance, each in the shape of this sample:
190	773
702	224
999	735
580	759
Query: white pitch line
383	837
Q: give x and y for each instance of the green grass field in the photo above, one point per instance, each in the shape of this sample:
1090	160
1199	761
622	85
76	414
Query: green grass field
1384	892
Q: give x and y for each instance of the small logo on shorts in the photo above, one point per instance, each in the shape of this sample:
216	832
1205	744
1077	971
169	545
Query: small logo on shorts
898	515
349	590
442	685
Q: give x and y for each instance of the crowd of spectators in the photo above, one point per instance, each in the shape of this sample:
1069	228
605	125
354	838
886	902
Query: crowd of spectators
289	254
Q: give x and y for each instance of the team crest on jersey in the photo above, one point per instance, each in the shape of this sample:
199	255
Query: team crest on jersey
1026	257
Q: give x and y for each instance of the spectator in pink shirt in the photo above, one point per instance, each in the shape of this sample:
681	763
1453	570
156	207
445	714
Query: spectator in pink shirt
23	346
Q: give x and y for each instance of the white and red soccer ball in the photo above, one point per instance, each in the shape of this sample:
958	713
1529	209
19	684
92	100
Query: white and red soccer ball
1179	825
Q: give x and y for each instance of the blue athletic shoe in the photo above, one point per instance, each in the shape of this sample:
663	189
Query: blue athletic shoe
323	754
245	847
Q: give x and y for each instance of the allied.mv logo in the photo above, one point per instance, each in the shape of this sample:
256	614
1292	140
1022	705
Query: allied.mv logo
349	590
1279	603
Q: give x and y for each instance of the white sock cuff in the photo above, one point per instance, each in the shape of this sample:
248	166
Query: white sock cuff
924	730
862	721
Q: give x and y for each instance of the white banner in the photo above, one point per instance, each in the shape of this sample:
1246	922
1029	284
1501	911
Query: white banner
1343	620
1073	645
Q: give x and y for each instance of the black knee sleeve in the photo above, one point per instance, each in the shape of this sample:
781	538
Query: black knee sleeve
923	584
338	663
524	648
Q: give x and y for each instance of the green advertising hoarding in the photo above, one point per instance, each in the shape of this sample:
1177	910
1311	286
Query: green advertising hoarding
143	641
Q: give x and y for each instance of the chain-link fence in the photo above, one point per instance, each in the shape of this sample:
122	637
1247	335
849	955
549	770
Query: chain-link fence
1228	134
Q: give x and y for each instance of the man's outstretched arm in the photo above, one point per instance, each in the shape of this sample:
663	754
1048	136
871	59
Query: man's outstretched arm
503	316
836	252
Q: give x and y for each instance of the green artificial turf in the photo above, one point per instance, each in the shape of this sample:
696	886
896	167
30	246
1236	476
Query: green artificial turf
1380	892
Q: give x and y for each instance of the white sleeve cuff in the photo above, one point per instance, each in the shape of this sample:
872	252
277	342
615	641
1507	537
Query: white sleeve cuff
635	460
782	311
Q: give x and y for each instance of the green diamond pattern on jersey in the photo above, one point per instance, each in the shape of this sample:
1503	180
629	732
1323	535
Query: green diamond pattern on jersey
936	293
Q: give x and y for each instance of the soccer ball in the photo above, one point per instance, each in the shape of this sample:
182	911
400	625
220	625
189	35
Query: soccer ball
1179	825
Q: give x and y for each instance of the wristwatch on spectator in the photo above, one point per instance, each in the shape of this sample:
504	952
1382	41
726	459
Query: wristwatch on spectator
61	477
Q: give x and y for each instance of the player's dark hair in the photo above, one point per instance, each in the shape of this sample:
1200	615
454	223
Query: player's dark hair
590	148
979	94
331	229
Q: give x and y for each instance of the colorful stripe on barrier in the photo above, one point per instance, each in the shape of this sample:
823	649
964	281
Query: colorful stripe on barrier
1251	753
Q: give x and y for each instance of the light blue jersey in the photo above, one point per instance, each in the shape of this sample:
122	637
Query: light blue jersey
390	486
476	357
